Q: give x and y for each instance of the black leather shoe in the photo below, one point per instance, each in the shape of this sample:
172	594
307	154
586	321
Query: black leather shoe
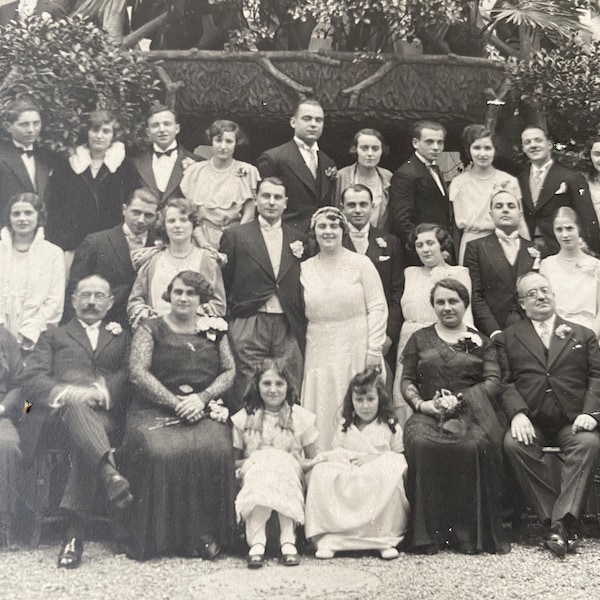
117	490
557	540
573	542
208	549
70	554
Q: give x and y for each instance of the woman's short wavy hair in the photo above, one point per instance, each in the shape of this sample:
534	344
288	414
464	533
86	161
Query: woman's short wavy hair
442	236
367	131
183	205
453	285
332	214
474	132
98	118
33	199
196	281
219	127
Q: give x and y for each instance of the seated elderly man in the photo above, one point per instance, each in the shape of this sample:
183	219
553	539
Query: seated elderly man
77	375
551	394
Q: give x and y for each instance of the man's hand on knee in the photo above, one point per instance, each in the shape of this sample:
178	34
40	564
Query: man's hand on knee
584	422
522	429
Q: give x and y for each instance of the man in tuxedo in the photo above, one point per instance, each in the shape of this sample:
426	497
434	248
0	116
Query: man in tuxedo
418	192
161	168
262	281
546	186
551	394
77	375
108	253
23	166
495	262
385	253
307	173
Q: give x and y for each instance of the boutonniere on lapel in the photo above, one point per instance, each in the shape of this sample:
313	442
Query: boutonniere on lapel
186	162
562	188
469	342
114	328
581	191
535	254
331	173
210	326
241	172
297	249
563	331
381	242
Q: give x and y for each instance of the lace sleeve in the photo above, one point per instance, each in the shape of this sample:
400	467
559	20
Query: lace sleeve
224	380
139	368
408	385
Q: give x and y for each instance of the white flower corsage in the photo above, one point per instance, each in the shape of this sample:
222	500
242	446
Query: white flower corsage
114	328
210	326
562	188
470	341
297	249
562	331
331	172
381	242
217	411
186	162
241	172
535	254
581	191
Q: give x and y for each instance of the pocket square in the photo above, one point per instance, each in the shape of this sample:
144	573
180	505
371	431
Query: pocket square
562	188
383	258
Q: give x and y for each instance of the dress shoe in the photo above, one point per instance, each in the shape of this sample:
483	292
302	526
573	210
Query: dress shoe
557	540
324	554
117	490
290	557
573	541
208	549
388	553
70	554
256	559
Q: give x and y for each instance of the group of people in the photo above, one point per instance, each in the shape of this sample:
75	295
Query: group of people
293	343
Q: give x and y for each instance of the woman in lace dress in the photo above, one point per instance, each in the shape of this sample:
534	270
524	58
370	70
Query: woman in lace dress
347	316
176	455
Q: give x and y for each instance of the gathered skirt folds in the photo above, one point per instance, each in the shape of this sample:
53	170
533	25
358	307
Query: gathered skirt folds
182	480
454	488
350	507
10	468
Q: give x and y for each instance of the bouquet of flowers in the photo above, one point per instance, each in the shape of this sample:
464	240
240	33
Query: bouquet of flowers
450	407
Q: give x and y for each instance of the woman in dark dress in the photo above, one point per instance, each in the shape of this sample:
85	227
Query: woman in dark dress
88	190
453	441
177	457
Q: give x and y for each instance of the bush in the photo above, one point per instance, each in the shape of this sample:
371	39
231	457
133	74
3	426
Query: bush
70	68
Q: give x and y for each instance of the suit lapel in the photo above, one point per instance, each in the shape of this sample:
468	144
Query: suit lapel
300	169
104	339
549	185
143	164
117	240
176	174
524	259
497	259
373	249
531	341
287	258
257	249
525	191
15	164
74	329
42	172
557	344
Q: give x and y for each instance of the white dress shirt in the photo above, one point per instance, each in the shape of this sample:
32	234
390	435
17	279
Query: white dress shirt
309	154
359	237
28	161
135	242
273	236
432	172
536	179
510	244
92	331
545	329
162	165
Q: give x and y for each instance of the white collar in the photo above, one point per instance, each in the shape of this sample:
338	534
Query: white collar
81	159
264	224
128	233
353	229
92	326
304	146
544	167
22	146
426	162
512	236
550	321
171	146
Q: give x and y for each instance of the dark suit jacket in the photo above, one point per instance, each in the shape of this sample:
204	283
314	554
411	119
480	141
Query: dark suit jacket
65	355
494	281
143	165
576	195
388	261
249	278
105	253
571	371
305	195
415	198
14	178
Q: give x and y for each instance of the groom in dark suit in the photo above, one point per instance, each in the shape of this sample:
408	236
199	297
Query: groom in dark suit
77	375
23	166
108	253
418	192
385	253
545	187
495	262
551	394
161	167
262	281
307	173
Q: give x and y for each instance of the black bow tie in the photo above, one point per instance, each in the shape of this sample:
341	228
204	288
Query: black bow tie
23	151
158	153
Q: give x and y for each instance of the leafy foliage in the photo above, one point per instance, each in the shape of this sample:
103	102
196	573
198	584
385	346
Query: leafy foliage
71	68
565	82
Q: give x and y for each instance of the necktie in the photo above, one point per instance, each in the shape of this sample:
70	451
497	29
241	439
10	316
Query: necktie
136	241
160	154
545	334
509	246
358	234
93	332
436	173
314	162
22	151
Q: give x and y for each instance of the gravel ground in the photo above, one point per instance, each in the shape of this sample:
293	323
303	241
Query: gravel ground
527	572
